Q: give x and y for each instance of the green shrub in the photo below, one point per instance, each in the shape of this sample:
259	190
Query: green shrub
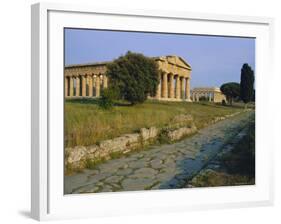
108	95
135	75
163	137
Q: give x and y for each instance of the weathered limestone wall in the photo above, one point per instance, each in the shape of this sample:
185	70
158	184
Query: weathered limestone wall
77	157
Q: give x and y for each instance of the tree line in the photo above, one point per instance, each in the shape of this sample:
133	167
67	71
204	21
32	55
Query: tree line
241	91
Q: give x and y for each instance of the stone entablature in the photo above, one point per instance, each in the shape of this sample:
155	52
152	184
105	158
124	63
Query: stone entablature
212	94
86	80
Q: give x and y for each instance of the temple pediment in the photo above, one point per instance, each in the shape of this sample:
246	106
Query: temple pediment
175	60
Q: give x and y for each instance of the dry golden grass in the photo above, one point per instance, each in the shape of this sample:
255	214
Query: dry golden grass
87	124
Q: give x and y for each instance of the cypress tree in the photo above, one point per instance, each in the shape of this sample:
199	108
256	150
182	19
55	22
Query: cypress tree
246	84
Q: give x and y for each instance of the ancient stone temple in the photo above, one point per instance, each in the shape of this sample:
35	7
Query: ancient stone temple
211	94
87	80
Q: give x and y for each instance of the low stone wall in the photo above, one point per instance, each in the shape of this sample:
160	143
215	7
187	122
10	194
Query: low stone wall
179	127
179	133
77	157
220	118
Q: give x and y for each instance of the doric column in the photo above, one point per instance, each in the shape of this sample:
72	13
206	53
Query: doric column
83	85
90	81
158	91
66	86
71	86
187	89
105	84
94	85
77	92
178	93
97	86
182	87
165	85
171	86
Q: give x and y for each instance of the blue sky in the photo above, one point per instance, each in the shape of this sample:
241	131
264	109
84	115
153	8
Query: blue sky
214	59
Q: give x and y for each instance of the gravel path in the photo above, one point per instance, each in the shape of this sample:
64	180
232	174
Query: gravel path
160	167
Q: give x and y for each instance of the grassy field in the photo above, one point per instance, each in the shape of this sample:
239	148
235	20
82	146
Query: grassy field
87	124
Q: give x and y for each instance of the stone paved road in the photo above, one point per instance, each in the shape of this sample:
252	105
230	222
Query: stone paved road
160	167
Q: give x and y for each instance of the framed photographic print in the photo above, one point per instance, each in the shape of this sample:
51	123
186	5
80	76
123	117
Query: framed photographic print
148	111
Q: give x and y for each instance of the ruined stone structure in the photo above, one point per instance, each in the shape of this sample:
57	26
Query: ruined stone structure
174	79
212	94
86	80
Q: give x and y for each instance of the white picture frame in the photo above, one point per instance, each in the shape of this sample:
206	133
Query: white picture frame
48	201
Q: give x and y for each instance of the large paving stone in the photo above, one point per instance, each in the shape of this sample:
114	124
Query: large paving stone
162	177
156	186
137	156
138	164
106	188
156	163
169	162
190	155
137	184
144	173
98	177
162	156
116	187
91	188
169	151
72	182
113	179
155	150
110	166
124	172
91	172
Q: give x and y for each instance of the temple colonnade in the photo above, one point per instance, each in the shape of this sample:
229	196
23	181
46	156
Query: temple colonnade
173	87
211	94
85	80
84	85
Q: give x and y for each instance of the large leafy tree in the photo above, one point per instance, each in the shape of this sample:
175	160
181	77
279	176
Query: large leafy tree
135	75
246	84
231	90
